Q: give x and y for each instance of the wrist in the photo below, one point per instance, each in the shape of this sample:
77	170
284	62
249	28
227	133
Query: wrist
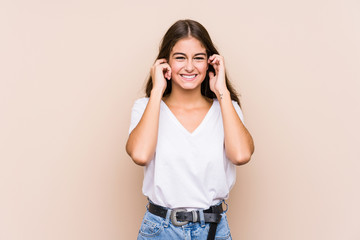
156	93
221	94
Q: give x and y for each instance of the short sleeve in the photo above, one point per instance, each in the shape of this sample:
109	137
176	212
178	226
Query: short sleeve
238	110
137	112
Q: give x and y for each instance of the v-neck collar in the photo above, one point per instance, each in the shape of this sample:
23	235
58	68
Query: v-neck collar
198	128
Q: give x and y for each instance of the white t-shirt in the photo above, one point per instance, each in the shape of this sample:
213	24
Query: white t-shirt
189	170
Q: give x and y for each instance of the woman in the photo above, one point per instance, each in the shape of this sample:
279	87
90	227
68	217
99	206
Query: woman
189	135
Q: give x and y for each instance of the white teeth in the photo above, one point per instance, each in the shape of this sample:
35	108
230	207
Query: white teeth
188	76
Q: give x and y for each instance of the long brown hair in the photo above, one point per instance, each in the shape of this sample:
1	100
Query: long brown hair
189	28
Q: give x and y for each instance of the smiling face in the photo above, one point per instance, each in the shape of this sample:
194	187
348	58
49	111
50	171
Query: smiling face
188	62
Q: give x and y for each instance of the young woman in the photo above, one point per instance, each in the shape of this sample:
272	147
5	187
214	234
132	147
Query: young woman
189	134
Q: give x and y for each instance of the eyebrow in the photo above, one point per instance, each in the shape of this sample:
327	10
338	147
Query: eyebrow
197	54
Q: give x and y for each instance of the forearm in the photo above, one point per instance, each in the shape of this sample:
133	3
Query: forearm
142	140
239	144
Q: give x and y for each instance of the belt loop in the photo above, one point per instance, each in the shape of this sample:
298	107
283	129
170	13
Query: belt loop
167	219
147	205
227	207
202	218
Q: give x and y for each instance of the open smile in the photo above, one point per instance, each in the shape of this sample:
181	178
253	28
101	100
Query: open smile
188	77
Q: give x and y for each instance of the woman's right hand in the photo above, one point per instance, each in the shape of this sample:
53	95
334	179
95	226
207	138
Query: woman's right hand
160	71
141	144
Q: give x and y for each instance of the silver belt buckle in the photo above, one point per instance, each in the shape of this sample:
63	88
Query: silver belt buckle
173	217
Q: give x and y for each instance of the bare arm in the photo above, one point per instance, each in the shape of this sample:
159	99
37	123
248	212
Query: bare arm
239	145
142	140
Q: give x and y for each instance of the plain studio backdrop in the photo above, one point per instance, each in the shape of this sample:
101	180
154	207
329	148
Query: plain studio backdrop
71	70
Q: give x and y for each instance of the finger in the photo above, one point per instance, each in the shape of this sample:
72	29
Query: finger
211	75
168	74
211	58
214	55
162	67
167	71
160	61
218	61
215	62
165	67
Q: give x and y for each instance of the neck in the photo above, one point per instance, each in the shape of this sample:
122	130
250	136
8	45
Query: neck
182	97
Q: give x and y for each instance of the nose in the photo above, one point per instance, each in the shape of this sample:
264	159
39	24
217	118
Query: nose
189	67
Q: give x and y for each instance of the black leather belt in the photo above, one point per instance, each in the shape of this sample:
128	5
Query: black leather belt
180	217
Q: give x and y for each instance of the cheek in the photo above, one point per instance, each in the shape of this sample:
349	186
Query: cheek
203	67
175	67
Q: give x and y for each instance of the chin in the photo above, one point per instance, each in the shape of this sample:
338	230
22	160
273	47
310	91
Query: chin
188	85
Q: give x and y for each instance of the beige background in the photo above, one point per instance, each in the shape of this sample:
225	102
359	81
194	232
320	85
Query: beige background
70	71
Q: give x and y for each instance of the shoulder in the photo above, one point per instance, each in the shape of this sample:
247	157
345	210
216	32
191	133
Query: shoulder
236	107
140	105
141	102
235	104
238	111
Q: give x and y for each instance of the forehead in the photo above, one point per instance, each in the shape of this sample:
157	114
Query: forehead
189	45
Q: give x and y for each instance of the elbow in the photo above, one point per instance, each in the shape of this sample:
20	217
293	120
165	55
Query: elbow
241	154
138	157
241	159
244	157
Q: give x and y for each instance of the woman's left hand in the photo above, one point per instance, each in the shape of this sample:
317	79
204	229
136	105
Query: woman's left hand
217	80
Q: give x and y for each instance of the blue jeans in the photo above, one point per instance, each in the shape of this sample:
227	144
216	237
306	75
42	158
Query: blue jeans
157	228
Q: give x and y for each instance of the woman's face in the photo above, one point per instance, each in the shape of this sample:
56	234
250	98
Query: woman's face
188	62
